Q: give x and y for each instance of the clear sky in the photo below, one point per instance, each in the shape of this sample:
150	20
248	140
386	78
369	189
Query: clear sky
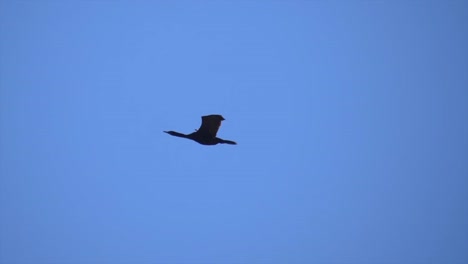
351	119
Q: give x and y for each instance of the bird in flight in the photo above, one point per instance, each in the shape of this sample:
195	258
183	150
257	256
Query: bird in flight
206	134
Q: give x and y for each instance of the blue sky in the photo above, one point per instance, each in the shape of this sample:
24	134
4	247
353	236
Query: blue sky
350	117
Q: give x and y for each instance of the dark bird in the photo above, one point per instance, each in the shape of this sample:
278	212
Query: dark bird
206	134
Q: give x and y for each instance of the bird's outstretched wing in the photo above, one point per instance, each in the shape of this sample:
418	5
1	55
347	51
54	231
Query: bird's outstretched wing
210	124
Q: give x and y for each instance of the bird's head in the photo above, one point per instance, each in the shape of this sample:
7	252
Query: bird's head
173	133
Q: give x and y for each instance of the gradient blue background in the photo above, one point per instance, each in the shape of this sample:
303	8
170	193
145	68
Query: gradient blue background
351	119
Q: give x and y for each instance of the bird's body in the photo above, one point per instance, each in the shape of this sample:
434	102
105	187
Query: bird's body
206	134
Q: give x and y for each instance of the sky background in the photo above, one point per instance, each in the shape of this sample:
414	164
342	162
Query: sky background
351	119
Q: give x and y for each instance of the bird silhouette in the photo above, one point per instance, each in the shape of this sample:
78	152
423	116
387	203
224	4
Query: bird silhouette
206	134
